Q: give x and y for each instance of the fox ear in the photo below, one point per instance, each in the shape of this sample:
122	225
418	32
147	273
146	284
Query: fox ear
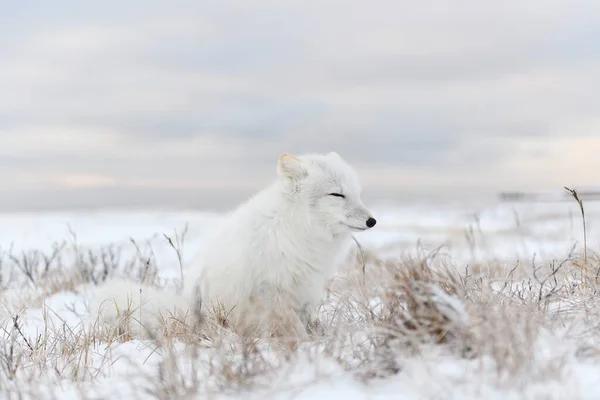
290	167
333	154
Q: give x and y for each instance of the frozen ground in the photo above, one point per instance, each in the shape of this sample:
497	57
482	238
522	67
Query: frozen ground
490	303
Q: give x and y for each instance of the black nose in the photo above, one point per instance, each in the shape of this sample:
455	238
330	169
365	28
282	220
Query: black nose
371	222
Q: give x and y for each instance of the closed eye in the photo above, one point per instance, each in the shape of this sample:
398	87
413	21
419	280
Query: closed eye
337	195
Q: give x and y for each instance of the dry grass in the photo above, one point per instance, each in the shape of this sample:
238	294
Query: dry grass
381	315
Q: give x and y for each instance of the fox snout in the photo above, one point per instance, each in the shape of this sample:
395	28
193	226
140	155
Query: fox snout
361	220
368	221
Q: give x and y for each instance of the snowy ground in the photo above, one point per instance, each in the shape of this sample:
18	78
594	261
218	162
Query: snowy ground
505	308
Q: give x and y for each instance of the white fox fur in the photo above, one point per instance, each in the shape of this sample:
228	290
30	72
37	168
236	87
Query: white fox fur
275	252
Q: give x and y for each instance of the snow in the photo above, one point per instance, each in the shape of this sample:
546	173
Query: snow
557	367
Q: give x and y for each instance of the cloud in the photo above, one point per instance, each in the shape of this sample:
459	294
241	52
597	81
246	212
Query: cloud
112	94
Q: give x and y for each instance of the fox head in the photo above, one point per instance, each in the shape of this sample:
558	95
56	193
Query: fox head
327	188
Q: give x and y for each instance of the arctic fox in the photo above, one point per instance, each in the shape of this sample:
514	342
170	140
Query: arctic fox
273	253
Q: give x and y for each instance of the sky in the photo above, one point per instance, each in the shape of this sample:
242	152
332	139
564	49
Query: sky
190	103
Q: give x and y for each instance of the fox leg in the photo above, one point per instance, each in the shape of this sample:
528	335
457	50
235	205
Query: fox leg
310	320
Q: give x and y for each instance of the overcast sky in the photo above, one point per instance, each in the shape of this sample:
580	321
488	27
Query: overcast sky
191	102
